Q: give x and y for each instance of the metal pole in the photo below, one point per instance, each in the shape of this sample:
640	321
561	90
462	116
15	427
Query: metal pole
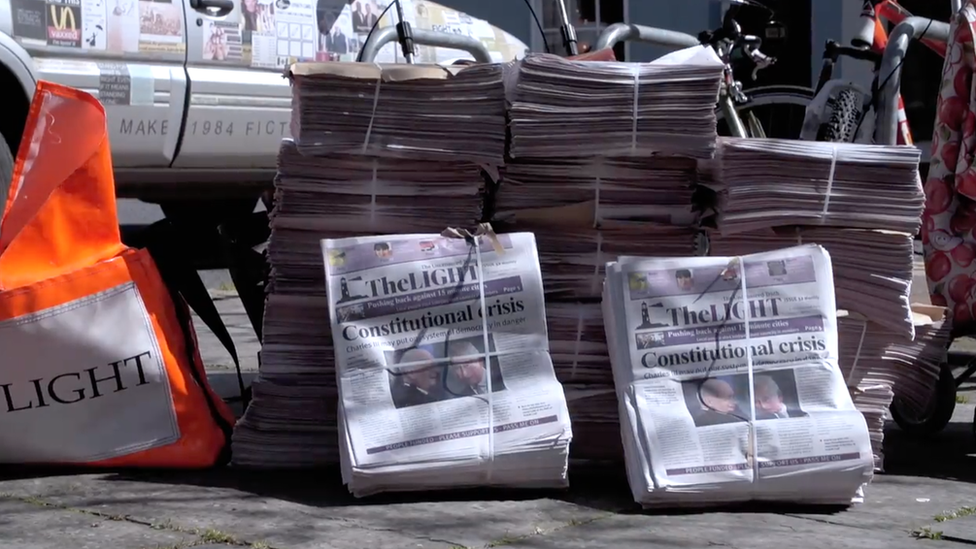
404	34
567	29
385	35
886	121
622	32
955	5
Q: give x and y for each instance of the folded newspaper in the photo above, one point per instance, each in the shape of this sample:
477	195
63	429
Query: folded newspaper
442	362
727	378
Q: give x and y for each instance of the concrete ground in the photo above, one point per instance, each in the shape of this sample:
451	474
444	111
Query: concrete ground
926	498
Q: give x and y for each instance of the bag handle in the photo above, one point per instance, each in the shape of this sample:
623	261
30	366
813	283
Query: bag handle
60	213
162	239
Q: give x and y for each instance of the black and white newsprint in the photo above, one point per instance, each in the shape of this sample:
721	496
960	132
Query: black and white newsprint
443	366
728	382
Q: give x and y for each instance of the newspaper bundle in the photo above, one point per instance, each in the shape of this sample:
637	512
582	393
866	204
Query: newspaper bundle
727	377
443	365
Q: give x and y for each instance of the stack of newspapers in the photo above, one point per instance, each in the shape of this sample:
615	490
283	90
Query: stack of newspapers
727	375
566	108
872	268
771	182
410	111
443	363
863	203
360	166
603	164
880	372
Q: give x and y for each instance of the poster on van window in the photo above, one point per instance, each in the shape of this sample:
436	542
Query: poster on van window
123	26
29	20
336	38
64	23
286	34
161	26
94	24
222	41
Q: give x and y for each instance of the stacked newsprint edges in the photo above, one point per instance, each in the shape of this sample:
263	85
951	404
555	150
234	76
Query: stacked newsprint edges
919	363
442	359
566	108
429	111
872	268
771	182
656	189
878	368
727	374
291	421
578	346
358	194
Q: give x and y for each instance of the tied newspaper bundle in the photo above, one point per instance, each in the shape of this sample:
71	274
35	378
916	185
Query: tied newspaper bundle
635	203
727	376
573	123
902	374
429	111
863	204
770	182
442	359
358	168
566	108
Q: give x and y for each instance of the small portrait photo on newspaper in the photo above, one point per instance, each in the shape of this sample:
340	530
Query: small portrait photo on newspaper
776	269
443	371
725	399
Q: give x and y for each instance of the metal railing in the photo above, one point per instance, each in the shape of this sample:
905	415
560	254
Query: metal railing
385	35
623	32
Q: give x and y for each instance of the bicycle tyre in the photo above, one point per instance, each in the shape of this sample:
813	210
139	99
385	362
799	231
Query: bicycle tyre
768	97
844	119
939	412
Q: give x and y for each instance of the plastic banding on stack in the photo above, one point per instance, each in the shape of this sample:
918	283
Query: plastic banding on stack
389	161
724	369
863	203
604	164
442	357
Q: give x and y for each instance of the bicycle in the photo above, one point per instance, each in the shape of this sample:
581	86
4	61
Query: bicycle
751	107
840	108
740	112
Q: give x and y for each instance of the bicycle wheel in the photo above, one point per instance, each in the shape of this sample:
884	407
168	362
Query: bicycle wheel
936	414
780	111
845	117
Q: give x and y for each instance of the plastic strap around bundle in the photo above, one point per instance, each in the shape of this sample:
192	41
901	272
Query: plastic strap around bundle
598	181
372	196
372	115
579	337
635	69
739	264
857	355
485	230
830	183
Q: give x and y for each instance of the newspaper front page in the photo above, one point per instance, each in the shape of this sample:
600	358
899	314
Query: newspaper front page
441	347
731	383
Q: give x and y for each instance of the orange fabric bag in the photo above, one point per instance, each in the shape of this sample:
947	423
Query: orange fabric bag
98	358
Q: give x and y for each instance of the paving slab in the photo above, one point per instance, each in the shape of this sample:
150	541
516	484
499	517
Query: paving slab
958	525
296	511
34	525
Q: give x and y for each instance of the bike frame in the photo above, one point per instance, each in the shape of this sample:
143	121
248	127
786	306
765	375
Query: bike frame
893	12
871	41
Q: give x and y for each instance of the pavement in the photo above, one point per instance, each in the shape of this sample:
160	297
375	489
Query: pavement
926	498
